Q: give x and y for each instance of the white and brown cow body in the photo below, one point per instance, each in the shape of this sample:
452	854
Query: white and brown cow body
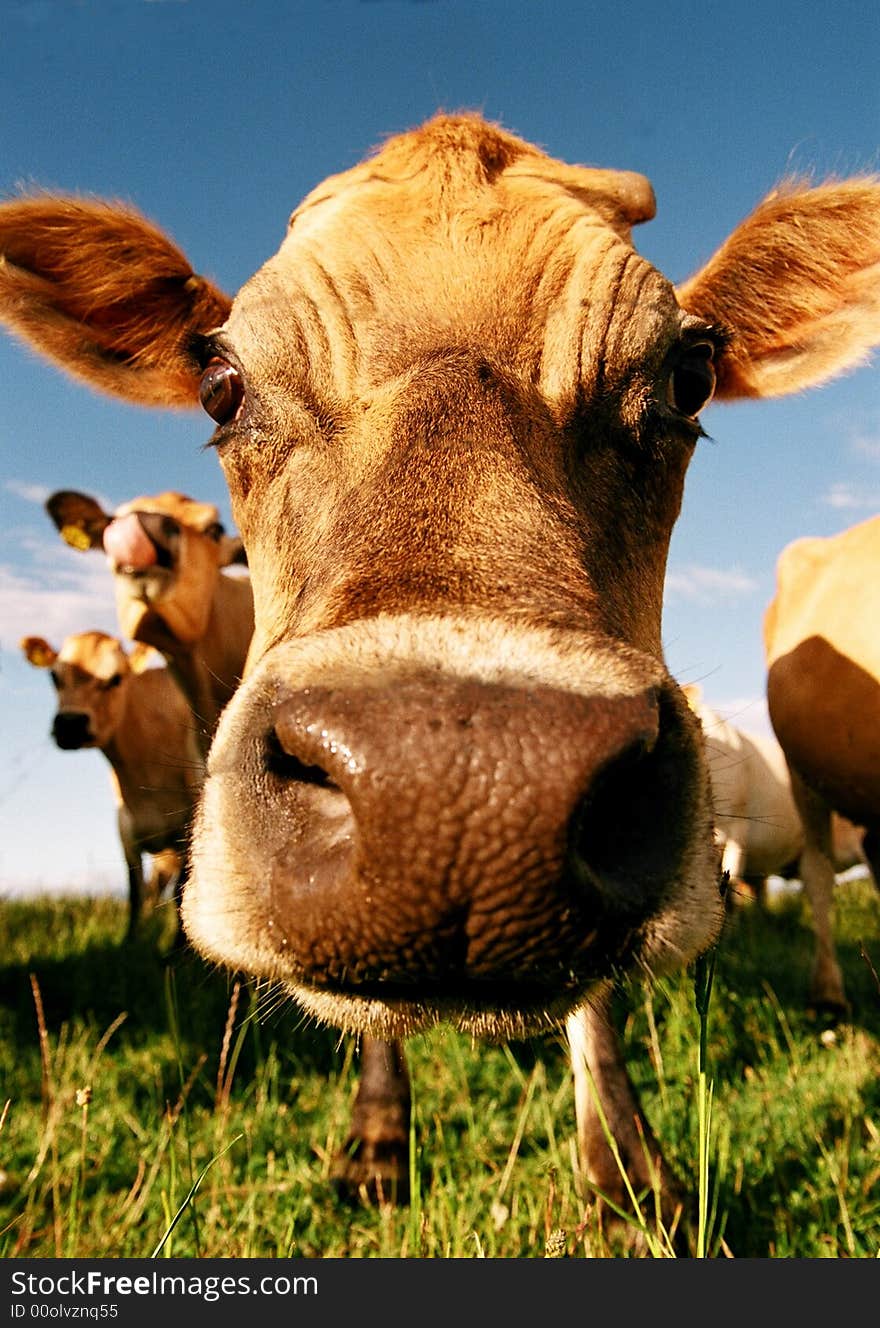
756	820
167	553
822	642
757	823
455	413
138	718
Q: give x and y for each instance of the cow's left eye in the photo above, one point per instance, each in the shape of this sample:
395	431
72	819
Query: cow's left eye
109	683
221	390
692	381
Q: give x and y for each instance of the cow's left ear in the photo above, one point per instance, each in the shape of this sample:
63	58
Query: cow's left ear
106	295
38	652
797	287
80	519
232	551
142	657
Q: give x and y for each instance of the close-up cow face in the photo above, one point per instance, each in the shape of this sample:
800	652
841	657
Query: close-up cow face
455	412
90	674
165	552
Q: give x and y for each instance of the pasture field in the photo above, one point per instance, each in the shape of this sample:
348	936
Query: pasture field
126	1081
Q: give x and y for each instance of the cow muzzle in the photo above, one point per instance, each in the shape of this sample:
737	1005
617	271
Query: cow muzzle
72	729
142	543
445	842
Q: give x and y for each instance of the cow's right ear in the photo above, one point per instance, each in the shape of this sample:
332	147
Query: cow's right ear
796	288
38	652
105	294
79	518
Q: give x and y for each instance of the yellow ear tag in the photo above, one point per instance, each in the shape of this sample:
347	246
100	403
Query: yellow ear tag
76	537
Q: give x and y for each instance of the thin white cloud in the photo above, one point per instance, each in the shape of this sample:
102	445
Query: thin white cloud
849	497
704	585
867	445
38	493
31	493
77	598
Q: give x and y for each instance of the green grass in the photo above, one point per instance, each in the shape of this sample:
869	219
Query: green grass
130	1086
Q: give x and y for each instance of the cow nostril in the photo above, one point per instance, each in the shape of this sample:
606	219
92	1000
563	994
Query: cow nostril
292	769
628	835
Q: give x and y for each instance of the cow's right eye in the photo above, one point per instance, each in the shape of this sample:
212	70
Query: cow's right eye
221	391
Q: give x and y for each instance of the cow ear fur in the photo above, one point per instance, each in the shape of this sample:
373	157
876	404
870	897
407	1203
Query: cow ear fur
79	518
797	287
106	295
38	652
142	657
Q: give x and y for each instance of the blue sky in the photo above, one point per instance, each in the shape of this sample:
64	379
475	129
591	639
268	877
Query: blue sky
215	117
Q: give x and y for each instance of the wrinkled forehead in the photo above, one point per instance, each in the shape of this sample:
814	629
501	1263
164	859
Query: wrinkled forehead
457	237
186	511
94	654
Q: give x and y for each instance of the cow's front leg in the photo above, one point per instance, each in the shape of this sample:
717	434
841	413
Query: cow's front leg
602	1086
375	1157
816	868
135	870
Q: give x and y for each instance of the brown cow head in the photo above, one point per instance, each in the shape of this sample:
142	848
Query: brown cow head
165	552
91	673
455	413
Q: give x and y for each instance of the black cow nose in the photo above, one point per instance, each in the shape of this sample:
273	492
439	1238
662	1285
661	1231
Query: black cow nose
72	729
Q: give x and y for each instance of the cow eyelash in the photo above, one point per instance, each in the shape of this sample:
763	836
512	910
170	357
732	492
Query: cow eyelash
200	349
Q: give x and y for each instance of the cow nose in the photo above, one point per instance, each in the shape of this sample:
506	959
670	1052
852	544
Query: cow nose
72	729
139	541
462	828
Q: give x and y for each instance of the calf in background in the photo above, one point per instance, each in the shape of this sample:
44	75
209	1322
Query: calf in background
139	718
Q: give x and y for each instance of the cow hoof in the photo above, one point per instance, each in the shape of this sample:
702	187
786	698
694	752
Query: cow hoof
372	1173
664	1225
669	1236
829	1009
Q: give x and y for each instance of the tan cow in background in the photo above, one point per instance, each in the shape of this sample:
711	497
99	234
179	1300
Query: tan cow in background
455	412
167	553
822	642
137	716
